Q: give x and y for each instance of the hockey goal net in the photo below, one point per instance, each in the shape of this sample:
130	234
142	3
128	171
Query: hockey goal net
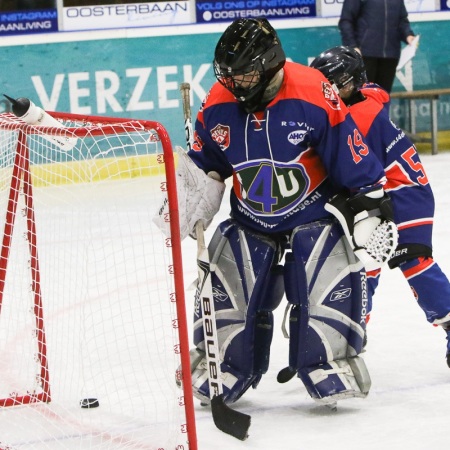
91	292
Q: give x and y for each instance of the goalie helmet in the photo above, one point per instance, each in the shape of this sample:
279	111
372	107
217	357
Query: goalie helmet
247	57
341	65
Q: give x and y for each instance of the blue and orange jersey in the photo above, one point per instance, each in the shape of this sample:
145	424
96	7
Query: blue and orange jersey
407	182
289	159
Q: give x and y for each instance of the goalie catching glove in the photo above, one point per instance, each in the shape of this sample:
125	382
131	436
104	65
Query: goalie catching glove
199	197
367	220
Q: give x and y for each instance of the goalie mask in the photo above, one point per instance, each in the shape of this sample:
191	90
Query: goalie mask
246	59
343	67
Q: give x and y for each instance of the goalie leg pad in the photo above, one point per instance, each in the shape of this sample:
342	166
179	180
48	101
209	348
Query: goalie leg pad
247	286
328	289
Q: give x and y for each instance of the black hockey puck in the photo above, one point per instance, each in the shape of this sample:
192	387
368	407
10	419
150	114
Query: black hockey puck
286	374
89	403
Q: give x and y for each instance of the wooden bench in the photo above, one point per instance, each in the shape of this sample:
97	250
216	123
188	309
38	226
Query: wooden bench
433	96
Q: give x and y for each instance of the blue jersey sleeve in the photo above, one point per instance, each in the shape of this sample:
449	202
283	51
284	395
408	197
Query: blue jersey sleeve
347	157
206	152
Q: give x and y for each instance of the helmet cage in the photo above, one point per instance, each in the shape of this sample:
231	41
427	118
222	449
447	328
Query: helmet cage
244	82
246	58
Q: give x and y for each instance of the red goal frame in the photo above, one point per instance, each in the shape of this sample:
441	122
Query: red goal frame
22	180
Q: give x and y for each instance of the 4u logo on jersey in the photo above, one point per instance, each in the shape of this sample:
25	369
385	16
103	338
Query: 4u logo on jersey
268	187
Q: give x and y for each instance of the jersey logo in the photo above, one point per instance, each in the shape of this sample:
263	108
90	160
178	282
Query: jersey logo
219	296
395	125
330	96
340	295
220	134
295	137
267	187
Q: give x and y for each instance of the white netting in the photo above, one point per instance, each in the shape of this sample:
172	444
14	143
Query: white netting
107	326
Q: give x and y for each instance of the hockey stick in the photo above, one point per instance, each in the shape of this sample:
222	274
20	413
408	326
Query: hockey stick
226	419
185	89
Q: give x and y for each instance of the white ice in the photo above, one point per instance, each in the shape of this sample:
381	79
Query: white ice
407	406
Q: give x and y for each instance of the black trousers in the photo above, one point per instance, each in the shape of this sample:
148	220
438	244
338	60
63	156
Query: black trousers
381	71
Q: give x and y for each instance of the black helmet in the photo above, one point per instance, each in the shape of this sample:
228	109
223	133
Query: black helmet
248	46
340	65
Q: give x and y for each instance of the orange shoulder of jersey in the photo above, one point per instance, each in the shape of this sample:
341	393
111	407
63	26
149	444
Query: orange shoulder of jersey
308	84
300	83
375	92
216	95
364	113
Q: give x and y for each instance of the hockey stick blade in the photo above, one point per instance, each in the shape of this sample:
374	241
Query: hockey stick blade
230	421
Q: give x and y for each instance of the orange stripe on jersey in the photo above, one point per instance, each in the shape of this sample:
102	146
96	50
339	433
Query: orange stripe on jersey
197	146
236	186
364	112
397	177
314	168
377	93
415	223
373	273
423	265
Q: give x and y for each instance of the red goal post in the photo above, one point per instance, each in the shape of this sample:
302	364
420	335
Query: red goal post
91	293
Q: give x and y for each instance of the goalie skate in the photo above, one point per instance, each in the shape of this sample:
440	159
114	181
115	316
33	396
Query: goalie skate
337	380
232	381
445	324
446	327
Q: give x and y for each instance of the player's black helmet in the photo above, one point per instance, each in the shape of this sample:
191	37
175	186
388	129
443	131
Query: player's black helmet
340	65
248	47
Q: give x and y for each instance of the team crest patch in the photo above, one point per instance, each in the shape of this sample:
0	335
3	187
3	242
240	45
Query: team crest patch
221	136
330	96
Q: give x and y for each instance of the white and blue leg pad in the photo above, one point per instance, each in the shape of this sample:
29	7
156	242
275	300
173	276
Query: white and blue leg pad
327	287
247	286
